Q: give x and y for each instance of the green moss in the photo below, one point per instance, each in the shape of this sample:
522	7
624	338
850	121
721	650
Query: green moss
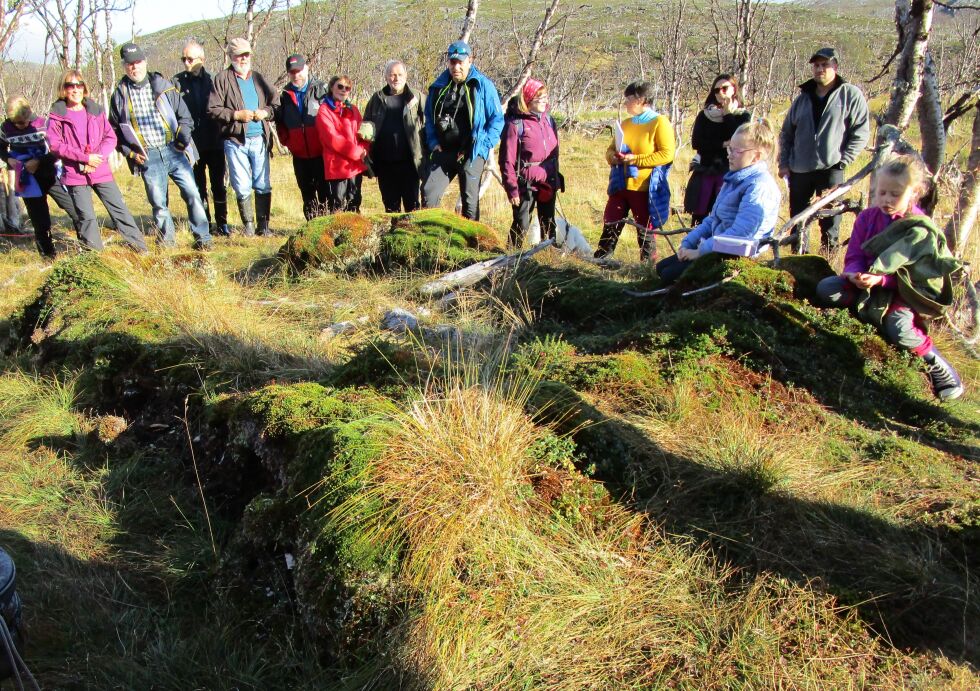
808	270
434	240
344	242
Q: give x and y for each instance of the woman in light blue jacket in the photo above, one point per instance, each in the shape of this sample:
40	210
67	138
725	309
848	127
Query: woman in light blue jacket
747	206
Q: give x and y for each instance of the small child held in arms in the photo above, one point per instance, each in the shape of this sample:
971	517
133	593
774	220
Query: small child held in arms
898	270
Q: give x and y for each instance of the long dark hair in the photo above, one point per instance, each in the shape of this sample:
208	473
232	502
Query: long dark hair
723	77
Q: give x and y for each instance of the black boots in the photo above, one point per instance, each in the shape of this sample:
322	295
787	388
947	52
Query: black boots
221	218
248	216
946	383
263	210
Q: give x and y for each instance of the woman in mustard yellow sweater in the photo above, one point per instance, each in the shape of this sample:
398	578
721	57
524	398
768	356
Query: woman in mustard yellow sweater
638	173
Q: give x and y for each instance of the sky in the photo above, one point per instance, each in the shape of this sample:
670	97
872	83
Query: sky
147	17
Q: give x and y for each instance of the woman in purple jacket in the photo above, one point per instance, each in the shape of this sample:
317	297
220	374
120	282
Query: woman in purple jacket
529	161
79	134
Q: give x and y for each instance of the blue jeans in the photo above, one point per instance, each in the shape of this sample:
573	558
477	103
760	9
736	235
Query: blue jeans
248	166
169	163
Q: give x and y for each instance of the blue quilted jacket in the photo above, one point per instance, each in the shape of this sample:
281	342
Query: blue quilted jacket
747	207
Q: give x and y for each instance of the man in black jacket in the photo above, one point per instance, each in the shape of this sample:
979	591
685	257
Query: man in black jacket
296	128
194	85
153	131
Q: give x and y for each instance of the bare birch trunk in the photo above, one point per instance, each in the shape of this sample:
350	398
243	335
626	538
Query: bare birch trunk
532	54
964	217
469	21
933	132
914	20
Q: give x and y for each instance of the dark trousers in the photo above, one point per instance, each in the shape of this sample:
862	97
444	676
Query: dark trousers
443	167
212	164
38	212
522	219
88	225
618	206
399	184
803	187
312	185
344	195
670	269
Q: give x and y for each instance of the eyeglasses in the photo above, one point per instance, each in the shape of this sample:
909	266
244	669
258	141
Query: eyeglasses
343	87
242	55
187	59
74	85
723	87
738	152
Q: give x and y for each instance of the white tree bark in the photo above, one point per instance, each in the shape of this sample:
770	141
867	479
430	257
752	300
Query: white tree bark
913	19
964	218
469	20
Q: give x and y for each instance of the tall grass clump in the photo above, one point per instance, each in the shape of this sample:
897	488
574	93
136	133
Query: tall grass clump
510	591
35	407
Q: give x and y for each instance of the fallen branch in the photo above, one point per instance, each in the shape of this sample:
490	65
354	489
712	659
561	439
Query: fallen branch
475	273
889	136
664	291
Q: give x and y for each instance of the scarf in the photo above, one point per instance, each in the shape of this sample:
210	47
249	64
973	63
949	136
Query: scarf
646	116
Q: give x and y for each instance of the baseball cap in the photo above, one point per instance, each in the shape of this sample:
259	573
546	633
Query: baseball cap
826	54
458	50
130	53
238	46
295	62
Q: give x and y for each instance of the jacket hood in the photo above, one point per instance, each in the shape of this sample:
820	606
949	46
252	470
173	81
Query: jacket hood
60	107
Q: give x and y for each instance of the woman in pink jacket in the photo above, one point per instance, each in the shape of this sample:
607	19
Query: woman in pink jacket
344	151
80	135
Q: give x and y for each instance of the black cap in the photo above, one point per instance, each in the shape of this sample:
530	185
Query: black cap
130	53
295	62
825	54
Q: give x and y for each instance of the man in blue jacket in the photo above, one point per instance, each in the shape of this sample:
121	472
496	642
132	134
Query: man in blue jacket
463	122
153	131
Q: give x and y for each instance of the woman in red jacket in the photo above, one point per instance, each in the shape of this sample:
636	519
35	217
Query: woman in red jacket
344	151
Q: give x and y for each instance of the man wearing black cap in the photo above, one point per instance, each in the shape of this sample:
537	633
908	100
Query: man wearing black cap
194	85
296	128
463	122
153	131
824	131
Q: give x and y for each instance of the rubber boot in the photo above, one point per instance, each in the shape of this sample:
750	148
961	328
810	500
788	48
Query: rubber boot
221	218
248	217
263	210
946	383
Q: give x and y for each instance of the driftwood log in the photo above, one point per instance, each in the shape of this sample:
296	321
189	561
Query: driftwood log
470	275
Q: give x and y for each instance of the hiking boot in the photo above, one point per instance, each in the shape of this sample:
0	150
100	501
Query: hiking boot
946	383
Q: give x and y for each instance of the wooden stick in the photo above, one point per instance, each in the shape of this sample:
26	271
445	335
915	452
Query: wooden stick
477	272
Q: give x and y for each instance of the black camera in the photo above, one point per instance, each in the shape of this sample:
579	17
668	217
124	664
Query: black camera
447	131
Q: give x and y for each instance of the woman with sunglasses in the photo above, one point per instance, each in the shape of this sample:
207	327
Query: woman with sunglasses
338	123
79	133
24	146
713	128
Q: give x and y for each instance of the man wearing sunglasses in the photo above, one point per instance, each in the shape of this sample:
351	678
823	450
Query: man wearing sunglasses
824	131
153	131
194	85
463	122
244	104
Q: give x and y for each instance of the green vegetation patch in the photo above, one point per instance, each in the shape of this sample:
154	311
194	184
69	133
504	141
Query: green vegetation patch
434	240
345	242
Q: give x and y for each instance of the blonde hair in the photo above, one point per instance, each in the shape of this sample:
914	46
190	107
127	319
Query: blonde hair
18	107
75	76
909	169
760	134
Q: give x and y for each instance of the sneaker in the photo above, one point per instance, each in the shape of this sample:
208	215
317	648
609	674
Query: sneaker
946	384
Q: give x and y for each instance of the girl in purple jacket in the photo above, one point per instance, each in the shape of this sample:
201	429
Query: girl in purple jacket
529	161
898	186
79	133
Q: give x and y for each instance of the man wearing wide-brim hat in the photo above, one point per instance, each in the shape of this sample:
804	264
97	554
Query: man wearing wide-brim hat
244	104
824	131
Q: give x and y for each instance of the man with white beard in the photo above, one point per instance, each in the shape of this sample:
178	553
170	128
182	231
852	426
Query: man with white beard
244	104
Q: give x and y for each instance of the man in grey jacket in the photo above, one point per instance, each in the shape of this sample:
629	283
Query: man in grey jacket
824	131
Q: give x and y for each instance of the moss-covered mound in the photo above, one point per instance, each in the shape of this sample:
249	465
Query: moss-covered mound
342	242
434	240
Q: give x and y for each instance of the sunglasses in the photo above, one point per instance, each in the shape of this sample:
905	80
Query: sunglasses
719	89
242	55
72	85
343	87
187	59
